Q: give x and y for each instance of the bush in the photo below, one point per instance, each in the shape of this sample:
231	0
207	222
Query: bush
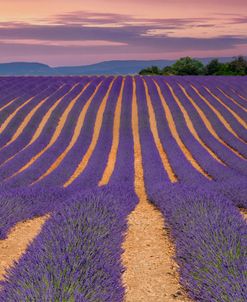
188	66
154	70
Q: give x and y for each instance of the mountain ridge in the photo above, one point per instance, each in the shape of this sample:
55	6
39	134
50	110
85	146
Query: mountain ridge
114	67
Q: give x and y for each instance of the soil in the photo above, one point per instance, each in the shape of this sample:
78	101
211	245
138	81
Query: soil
17	242
151	273
244	213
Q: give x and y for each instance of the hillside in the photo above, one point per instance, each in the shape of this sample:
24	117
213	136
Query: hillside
103	68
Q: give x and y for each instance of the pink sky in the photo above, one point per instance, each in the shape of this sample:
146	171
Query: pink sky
83	32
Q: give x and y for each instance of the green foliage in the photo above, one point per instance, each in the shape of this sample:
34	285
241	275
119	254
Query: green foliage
167	70
153	70
213	67
190	66
238	66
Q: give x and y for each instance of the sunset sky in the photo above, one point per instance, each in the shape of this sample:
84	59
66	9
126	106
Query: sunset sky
79	32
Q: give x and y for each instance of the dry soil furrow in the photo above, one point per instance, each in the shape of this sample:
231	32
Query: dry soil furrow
17	242
151	273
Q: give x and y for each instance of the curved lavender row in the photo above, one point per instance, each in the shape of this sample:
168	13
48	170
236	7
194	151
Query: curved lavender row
14	88
53	95
91	176
233	186
236	126
31	173
225	87
204	159
24	156
123	172
150	153
240	112
172	202
217	171
25	203
57	178
71	160
10	91
30	90
239	83
78	254
124	168
228	137
28	132
7	106
210	242
13	126
33	92
234	189
207	202
182	168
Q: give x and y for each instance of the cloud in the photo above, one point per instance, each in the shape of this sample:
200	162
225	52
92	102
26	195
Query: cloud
83	33
239	20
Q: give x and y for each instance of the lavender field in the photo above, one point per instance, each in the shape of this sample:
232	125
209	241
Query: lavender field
85	153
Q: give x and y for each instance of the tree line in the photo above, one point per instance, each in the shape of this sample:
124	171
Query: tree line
190	66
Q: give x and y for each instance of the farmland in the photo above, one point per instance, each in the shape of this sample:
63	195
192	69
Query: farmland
119	175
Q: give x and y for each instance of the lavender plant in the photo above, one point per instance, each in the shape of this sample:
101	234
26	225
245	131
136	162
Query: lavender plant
210	238
77	255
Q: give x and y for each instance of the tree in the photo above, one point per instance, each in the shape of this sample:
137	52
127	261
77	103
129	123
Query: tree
154	70
188	66
213	67
167	70
238	66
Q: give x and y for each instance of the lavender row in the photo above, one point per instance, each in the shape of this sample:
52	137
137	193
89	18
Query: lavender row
32	92
230	93
17	87
24	156
77	256
90	176
236	126
26	203
70	162
216	169
14	88
33	124
236	84
210	242
196	218
227	180
25	210
124	167
182	168
222	132
210	166
13	126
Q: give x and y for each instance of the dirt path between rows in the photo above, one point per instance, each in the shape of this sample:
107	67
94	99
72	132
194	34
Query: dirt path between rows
17	242
151	273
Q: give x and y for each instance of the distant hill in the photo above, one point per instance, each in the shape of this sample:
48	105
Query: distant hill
113	67
107	68
23	68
